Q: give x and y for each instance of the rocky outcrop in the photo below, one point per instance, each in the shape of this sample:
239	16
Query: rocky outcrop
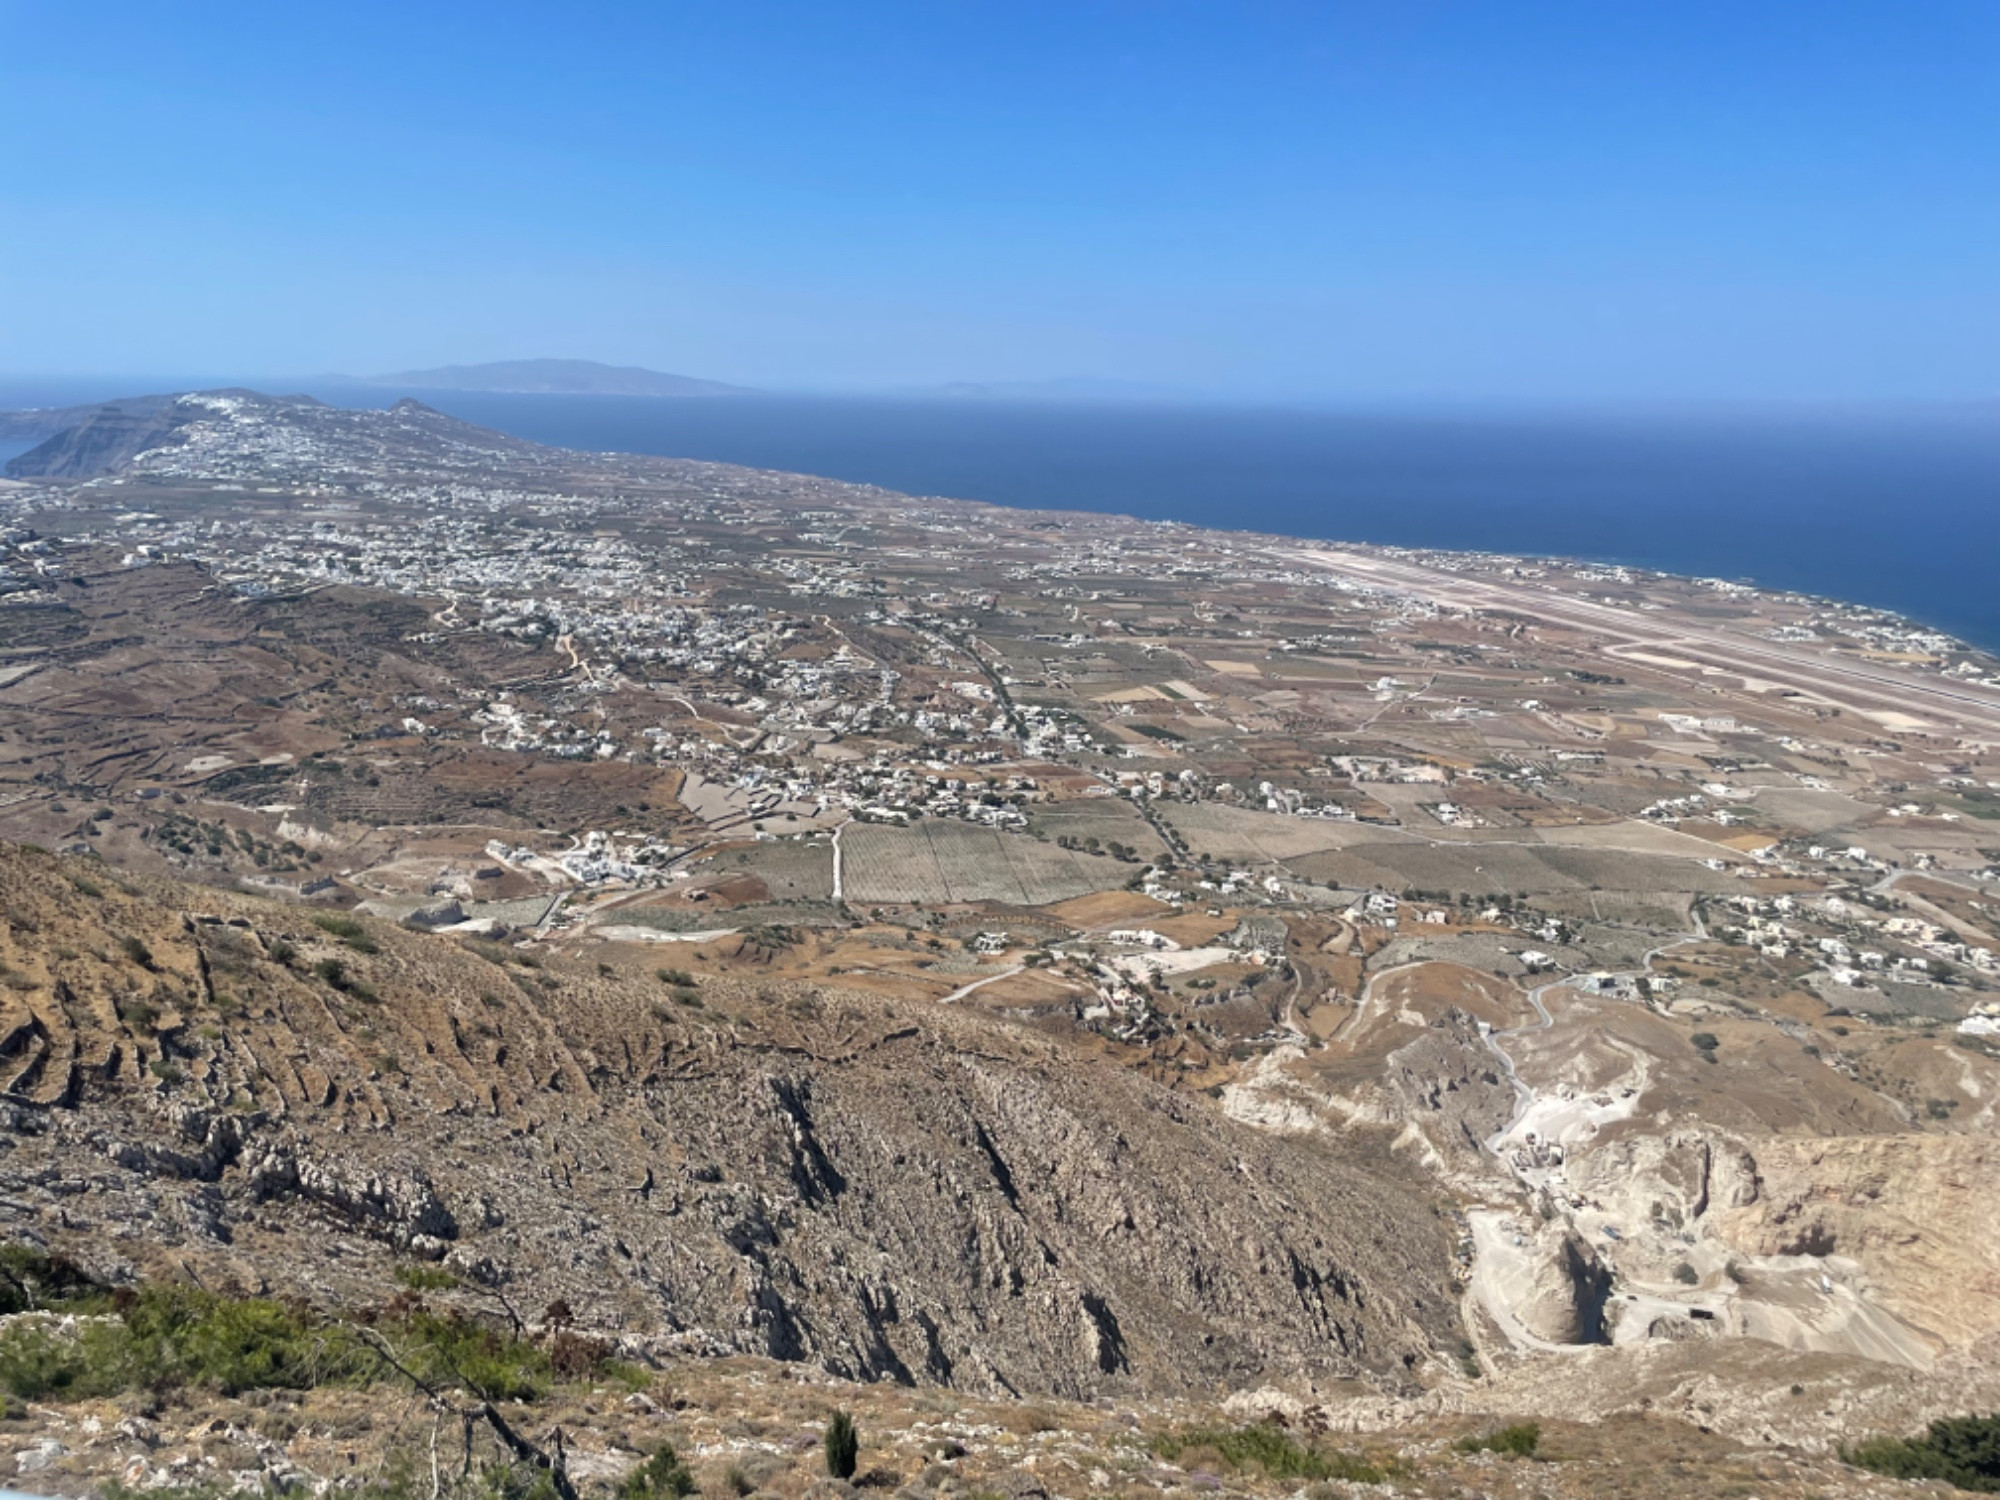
1919	1213
197	1145
1448	1082
1677	1177
400	1207
1565	1301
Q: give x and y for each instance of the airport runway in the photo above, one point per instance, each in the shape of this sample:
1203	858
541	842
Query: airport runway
1878	693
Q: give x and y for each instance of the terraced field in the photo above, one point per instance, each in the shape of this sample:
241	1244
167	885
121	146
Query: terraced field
1240	833
938	863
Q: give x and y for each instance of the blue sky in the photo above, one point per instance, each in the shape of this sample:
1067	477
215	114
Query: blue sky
1407	199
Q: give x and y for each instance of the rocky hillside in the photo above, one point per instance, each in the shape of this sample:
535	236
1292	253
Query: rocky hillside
36	424
248	434
203	1084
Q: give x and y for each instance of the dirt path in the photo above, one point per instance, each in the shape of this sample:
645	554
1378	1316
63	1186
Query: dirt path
1524	1096
1353	1024
963	990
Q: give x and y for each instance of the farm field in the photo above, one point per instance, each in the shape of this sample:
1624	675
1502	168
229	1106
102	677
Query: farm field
946	863
790	871
1107	819
1507	869
1237	833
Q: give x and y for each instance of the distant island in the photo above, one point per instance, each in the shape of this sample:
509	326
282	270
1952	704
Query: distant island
557	377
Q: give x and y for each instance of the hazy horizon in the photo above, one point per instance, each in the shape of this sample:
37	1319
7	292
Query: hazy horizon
28	390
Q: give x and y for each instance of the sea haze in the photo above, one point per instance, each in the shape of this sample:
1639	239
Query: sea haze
1900	510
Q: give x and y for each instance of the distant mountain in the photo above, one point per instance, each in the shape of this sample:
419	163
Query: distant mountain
557	377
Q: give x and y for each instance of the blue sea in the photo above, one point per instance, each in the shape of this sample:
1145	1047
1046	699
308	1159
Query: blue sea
1897	508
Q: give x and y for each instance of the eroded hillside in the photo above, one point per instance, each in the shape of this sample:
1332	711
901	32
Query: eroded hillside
890	1191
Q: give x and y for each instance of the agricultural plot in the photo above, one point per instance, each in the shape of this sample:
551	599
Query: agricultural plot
1494	953
1238	833
1812	811
1889	997
1491	869
791	872
941	863
1476	869
1635	838
1109	820
1616	870
1663	911
1345	870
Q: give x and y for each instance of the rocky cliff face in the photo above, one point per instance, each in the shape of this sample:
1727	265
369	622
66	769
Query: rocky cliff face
1565	1302
209	1082
36	424
97	440
1920	1214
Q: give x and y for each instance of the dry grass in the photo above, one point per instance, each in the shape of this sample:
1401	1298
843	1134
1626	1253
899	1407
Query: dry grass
743	1422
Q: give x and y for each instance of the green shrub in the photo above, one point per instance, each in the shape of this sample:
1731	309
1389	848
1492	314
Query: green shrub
457	1351
163	1338
166	1337
843	1446
1962	1451
38	1361
189	1337
1272	1450
1517	1441
347	930
659	1477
